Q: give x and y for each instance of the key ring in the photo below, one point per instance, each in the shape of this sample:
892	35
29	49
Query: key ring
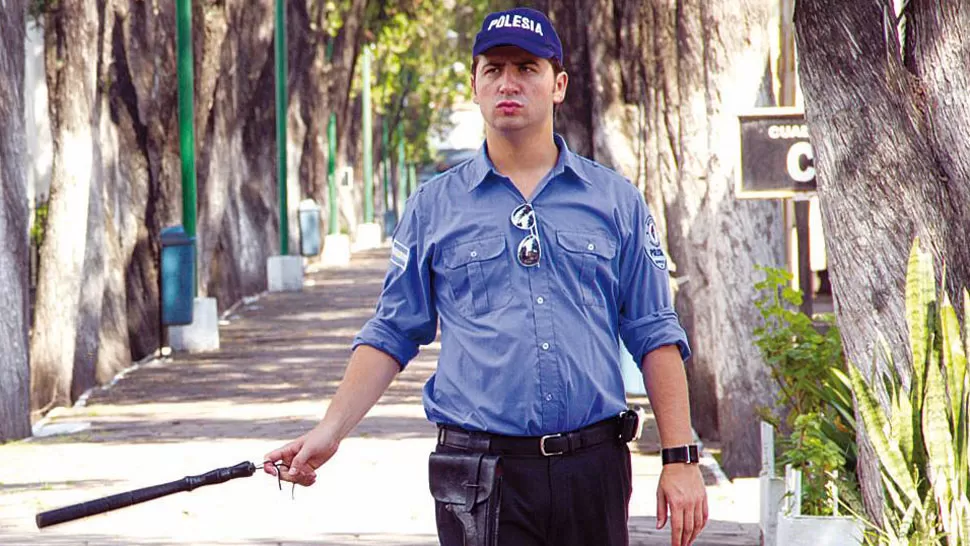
279	480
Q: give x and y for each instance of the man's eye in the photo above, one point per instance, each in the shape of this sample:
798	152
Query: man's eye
528	68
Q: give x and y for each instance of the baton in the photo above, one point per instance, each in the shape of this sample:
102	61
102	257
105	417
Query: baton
121	500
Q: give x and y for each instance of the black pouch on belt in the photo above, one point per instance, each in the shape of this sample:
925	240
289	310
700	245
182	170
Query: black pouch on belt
467	489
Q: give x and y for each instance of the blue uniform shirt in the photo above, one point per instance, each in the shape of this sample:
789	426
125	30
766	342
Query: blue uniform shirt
525	351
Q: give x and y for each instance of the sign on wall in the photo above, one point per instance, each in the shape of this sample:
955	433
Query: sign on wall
777	160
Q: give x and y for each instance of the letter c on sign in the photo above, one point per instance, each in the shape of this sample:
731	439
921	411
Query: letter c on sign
799	173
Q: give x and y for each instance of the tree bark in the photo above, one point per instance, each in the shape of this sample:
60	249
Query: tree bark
655	88
891	164
72	46
14	367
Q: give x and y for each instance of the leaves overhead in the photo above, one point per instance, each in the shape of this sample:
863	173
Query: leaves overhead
422	58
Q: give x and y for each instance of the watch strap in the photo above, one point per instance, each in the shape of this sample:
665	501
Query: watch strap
680	454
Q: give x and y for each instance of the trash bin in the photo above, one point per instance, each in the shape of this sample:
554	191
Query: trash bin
390	223
177	276
309	228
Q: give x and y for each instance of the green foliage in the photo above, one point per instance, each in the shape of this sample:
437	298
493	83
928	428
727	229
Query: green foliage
40	223
920	434
805	359
422	58
819	459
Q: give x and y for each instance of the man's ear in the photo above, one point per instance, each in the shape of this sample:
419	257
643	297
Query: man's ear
559	92
474	91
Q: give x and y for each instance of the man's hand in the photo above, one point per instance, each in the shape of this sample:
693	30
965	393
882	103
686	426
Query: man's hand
682	488
302	457
368	375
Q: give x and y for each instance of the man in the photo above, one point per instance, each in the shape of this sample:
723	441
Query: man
535	261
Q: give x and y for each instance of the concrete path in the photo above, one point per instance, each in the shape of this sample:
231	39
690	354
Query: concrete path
281	360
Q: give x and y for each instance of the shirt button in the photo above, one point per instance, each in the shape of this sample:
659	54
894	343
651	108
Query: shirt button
590	246
545	346
540	300
549	397
474	254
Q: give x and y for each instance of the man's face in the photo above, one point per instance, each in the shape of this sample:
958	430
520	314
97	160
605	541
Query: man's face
515	89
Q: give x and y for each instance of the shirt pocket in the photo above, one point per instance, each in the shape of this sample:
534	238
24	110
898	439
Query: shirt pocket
590	255
478	273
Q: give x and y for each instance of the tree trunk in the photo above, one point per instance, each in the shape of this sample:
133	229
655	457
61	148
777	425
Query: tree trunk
654	92
720	51
892	163
72	48
14	368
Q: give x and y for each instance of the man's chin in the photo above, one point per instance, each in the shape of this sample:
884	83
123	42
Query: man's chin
508	124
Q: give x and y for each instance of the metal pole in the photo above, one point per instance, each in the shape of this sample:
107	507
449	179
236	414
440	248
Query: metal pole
385	164
186	98
367	134
402	178
281	102
332	174
186	87
412	179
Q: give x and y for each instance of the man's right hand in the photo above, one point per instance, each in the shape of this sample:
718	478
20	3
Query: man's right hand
302	457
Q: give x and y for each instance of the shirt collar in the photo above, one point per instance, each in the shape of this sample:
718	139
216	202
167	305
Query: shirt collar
482	167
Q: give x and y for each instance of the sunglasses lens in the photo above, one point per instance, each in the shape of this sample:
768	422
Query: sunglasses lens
529	251
523	217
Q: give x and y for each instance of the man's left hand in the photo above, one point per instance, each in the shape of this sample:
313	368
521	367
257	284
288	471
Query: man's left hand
682	489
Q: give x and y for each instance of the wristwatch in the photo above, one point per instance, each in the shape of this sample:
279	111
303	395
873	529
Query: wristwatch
681	454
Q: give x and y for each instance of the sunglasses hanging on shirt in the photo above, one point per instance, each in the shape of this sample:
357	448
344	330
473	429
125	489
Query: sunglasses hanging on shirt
529	251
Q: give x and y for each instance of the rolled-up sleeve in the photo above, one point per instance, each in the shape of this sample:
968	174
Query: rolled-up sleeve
647	317
406	317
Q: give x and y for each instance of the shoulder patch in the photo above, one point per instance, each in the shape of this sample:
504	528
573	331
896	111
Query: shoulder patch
652	245
400	254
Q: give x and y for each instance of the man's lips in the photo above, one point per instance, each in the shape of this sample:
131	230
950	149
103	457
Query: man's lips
508	104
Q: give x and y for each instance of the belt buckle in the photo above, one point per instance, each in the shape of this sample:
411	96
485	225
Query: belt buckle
542	445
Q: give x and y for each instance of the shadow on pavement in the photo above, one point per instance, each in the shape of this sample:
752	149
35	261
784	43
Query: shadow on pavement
50	486
145	431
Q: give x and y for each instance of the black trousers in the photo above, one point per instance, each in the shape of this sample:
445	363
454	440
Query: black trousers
579	499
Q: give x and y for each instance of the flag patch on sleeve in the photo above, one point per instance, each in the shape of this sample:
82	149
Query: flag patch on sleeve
400	254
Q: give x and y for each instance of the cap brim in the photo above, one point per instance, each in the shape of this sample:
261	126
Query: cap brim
538	51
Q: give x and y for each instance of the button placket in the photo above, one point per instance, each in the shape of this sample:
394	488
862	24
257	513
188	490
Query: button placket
550	378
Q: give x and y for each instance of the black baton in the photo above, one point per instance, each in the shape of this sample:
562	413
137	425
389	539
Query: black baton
121	500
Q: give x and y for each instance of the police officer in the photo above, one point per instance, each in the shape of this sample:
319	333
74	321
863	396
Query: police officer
534	261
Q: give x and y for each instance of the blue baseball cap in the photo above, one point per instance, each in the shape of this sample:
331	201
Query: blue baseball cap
522	27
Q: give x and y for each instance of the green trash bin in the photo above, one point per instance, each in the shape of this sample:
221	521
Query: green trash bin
177	276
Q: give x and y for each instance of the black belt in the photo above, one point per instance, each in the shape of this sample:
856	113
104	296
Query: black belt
531	446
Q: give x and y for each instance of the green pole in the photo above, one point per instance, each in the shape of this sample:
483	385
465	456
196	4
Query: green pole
385	143
186	114
412	179
331	173
402	180
367	134
281	101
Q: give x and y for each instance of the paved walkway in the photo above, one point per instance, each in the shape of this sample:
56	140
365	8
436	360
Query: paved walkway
282	357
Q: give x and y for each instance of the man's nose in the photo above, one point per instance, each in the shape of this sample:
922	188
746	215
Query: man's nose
507	82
